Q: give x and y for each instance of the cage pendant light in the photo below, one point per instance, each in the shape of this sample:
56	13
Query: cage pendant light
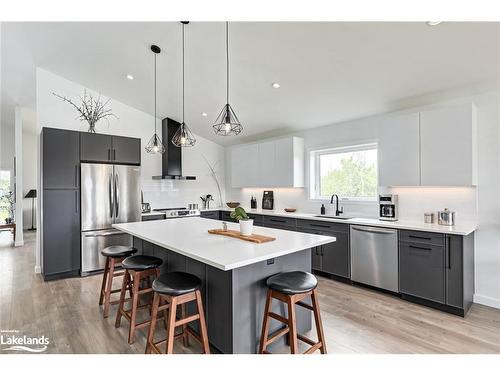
155	145
227	123
183	137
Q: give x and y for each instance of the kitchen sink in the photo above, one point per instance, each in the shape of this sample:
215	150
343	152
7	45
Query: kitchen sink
334	217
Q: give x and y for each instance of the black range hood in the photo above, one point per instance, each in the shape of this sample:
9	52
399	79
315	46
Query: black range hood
171	159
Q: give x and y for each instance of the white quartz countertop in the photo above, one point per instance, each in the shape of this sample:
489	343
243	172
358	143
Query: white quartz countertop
463	229
190	238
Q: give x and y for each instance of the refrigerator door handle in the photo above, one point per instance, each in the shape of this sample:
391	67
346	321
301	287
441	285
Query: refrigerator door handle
117	195
111	205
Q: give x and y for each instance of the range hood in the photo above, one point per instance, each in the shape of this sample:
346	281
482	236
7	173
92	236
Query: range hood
171	159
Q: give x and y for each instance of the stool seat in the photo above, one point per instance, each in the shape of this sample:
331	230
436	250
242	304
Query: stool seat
141	262
294	282
176	283
118	251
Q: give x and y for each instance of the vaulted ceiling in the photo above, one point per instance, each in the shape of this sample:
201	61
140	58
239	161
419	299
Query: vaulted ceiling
328	72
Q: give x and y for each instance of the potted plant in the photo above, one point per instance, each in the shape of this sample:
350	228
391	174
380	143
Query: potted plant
246	224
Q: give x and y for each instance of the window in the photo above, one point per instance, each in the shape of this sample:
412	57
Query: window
5	196
350	172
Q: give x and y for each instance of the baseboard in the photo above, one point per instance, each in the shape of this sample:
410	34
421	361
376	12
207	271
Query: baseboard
487	301
18	243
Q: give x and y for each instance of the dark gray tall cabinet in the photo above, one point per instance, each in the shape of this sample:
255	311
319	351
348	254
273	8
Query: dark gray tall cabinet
60	153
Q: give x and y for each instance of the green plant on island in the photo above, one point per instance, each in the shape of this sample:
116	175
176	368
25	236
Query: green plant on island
239	214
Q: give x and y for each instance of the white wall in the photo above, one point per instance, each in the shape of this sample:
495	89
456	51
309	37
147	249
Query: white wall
53	112
480	204
29	174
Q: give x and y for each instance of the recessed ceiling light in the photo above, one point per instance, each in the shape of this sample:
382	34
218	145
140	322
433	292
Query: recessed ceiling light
276	85
130	76
204	114
433	23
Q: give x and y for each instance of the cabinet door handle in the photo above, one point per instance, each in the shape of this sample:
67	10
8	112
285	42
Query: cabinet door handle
420	248
316	251
321	250
420	237
76	175
448	252
114	154
76	201
278	221
109	154
319	225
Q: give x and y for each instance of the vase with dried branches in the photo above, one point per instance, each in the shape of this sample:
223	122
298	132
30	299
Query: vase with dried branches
214	175
91	109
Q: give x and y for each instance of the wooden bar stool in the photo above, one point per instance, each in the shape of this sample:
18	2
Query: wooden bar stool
291	288
137	268
114	256
177	289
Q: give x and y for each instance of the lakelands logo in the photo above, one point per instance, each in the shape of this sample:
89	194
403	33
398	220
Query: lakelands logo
12	340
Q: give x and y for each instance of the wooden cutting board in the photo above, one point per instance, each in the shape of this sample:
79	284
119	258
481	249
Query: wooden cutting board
257	238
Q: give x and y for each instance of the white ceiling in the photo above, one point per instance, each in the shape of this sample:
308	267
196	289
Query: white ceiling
329	72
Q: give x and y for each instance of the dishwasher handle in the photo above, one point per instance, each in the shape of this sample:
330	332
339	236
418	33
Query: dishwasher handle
373	230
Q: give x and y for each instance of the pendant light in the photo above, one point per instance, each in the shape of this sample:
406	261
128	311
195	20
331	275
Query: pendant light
183	136
227	122
155	145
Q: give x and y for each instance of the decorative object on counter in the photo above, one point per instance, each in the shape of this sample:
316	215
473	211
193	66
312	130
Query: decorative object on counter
233	204
155	145
388	207
32	194
446	217
428	217
193	206
290	210
253	203
214	175
257	238
224	226
246	224
183	137
145	207
323	209
268	200
91	109
227	123
206	201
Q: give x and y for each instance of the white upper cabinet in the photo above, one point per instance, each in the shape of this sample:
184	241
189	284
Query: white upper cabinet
448	146
429	148
274	163
399	151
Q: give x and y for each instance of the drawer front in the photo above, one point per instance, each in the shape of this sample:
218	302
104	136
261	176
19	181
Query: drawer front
422	271
271	221
422	237
153	217
215	215
322	225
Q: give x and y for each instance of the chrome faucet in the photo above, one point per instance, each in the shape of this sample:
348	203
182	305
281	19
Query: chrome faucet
337	211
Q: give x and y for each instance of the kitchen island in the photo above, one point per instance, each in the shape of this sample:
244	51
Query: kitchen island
233	273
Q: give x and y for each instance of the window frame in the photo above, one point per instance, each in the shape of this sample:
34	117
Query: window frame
315	172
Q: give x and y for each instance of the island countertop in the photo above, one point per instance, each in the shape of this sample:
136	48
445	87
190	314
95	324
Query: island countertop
190	237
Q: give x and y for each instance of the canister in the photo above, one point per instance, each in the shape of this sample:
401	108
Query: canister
446	217
428	217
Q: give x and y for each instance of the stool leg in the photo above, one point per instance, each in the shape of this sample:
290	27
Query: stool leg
265	322
185	336
203	326
135	301
317	321
109	286
106	270
292	324
171	326
121	305
152	325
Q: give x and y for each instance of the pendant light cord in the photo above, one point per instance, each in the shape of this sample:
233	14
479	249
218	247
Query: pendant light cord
227	62
183	73
155	94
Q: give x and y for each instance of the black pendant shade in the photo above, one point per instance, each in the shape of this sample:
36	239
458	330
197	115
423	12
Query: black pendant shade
155	145
183	137
227	122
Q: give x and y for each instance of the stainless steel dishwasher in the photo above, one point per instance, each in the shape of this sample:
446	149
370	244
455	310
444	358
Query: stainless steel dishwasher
374	257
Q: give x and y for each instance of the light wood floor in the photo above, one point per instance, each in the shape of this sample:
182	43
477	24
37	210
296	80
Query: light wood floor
356	320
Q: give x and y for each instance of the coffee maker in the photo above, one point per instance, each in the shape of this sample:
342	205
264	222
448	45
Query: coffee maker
388	207
268	200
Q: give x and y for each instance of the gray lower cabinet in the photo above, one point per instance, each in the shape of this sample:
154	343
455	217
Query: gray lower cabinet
153	217
61	233
438	268
215	215
336	255
61	158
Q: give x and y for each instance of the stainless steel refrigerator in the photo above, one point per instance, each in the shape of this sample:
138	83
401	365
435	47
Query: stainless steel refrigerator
109	194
